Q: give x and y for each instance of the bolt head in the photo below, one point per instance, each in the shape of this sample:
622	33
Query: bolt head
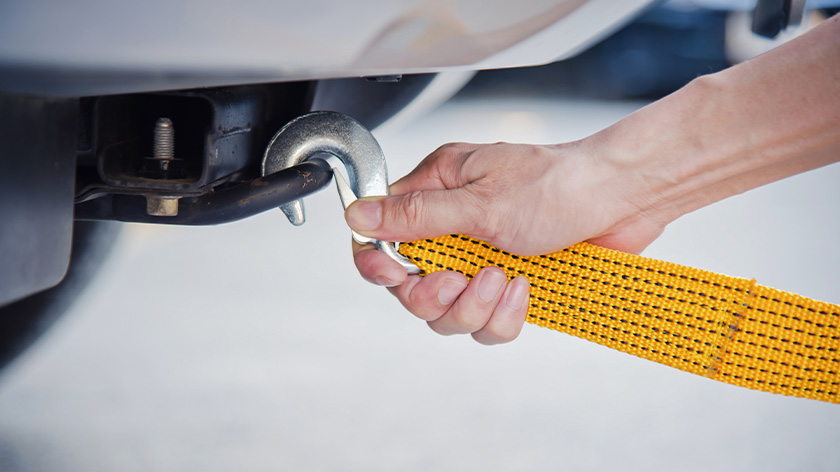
162	206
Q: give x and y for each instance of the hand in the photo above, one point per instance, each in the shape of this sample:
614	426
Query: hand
522	198
722	134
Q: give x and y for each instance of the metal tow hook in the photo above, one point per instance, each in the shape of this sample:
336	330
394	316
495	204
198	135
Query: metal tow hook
338	135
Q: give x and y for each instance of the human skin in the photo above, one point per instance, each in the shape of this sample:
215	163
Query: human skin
774	116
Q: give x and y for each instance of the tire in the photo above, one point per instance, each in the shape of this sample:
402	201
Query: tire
23	322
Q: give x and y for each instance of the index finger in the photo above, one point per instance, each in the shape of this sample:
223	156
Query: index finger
440	170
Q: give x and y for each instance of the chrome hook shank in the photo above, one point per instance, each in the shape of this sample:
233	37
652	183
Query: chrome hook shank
340	136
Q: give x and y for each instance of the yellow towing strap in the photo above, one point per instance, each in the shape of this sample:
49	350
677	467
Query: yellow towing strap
724	328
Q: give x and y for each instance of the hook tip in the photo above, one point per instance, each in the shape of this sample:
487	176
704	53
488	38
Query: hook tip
294	212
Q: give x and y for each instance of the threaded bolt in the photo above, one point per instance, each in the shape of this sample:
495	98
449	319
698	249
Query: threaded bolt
164	150
164	139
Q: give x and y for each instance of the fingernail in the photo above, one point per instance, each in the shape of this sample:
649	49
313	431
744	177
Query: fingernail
364	215
450	290
490	285
384	281
518	295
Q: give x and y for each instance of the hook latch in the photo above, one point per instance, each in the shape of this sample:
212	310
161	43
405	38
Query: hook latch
338	135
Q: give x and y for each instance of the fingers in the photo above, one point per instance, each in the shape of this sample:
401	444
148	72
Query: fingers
416	215
430	298
507	319
490	308
376	267
432	200
441	196
474	310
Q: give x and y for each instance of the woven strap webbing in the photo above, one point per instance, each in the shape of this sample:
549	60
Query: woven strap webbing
724	328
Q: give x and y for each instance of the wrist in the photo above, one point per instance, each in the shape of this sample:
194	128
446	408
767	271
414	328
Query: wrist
651	158
685	151
729	132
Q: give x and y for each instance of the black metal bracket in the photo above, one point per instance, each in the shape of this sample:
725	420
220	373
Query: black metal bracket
231	203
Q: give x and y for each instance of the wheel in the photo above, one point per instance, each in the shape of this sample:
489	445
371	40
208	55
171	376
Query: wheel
23	322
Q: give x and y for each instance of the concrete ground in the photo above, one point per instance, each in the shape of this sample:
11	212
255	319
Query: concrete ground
255	346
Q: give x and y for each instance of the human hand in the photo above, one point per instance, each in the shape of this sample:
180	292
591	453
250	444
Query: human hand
525	199
720	135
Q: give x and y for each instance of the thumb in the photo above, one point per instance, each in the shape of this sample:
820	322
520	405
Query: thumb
415	215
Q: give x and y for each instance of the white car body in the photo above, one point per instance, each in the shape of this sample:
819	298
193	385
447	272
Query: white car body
192	43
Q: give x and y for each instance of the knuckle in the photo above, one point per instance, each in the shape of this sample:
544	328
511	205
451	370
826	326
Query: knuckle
453	155
470	322
505	335
439	328
425	314
483	338
417	300
422	311
450	147
446	152
447	147
491	335
493	218
411	208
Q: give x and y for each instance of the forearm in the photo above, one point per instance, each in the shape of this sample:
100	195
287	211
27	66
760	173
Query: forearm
761	121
